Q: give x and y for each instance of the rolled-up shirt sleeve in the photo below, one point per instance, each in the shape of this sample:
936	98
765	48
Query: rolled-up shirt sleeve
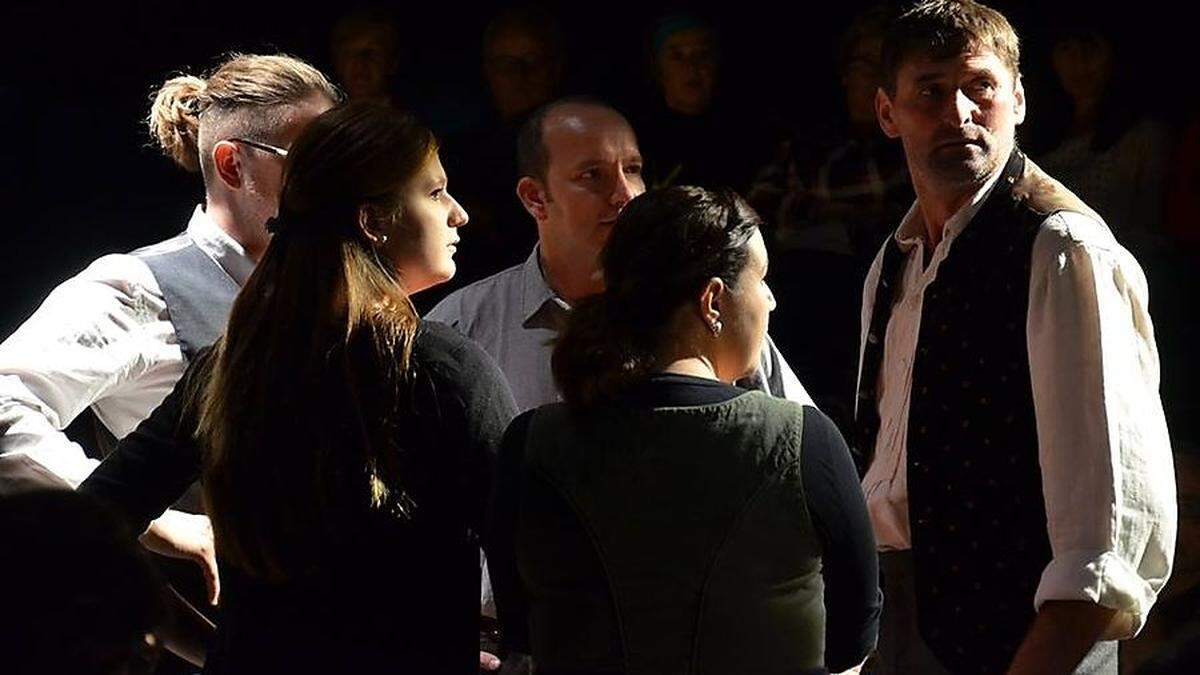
1107	473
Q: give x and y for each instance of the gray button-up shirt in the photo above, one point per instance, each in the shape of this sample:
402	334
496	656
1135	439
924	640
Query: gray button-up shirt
514	316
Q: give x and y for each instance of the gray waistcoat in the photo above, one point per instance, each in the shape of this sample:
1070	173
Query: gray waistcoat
197	291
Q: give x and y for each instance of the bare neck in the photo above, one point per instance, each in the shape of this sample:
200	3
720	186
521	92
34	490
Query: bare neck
938	206
234	222
685	353
695	366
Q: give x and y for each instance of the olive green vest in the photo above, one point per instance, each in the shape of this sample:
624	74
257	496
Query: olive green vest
671	540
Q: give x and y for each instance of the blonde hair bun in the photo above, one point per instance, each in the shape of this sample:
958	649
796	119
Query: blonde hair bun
174	119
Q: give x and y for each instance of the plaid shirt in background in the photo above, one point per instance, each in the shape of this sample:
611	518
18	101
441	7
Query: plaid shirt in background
836	194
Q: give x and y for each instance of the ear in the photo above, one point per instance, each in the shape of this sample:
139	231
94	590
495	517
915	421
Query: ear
1019	100
533	196
710	300
883	111
366	225
228	164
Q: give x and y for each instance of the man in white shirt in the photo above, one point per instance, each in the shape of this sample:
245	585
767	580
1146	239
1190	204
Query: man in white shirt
117	336
1019	477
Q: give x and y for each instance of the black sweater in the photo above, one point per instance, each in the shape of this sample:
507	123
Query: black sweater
401	595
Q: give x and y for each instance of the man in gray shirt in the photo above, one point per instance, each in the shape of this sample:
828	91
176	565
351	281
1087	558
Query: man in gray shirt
579	165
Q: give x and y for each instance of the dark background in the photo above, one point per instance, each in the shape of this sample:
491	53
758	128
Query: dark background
80	179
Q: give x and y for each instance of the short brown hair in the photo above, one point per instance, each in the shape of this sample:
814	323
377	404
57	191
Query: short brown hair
244	96
943	29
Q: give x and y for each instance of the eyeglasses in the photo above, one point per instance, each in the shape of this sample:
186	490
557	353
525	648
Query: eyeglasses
265	147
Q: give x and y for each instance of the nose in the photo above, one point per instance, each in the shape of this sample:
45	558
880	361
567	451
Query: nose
770	300
963	109
458	215
625	189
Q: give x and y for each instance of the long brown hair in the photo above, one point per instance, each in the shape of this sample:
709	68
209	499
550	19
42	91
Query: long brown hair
298	415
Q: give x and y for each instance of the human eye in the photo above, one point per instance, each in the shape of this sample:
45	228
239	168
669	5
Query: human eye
929	91
634	169
437	193
983	85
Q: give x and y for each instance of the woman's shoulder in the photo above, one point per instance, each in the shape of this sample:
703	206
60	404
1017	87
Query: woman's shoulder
448	354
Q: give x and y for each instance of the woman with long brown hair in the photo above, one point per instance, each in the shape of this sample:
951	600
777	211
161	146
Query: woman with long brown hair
346	443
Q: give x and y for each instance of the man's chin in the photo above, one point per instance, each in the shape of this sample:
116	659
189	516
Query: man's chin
964	171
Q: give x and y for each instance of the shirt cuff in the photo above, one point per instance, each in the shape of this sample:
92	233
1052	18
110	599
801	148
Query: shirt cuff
1103	578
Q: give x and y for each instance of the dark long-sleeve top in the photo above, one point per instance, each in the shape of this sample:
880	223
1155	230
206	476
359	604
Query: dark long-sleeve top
849	563
404	594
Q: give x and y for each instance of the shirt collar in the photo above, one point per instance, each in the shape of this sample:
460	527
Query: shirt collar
535	292
912	229
218	245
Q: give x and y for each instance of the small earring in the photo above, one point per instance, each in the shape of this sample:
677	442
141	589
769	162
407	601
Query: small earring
382	238
715	327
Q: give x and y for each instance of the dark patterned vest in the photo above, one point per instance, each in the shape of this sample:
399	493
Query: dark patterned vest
975	508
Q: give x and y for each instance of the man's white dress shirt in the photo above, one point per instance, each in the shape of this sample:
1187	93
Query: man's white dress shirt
101	339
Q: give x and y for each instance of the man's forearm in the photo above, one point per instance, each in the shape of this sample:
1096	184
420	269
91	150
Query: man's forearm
1062	634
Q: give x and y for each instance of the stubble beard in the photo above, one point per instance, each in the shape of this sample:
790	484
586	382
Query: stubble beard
953	170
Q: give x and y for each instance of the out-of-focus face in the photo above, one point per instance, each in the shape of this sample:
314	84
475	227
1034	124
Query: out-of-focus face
422	242
594	169
522	72
365	63
687	71
745	310
860	81
1083	67
956	117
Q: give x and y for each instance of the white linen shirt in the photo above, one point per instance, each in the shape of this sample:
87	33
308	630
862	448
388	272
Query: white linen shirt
101	339
1107	473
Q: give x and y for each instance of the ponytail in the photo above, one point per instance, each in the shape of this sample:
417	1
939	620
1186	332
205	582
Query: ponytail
666	245
598	356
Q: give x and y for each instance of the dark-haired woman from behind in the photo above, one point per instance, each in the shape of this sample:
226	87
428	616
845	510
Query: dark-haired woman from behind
347	444
662	520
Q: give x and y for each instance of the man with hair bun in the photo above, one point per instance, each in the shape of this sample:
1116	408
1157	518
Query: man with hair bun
1018	469
117	336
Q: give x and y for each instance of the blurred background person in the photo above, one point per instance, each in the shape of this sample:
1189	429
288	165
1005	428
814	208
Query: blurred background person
365	50
692	133
663	519
56	620
829	200
1109	151
523	64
